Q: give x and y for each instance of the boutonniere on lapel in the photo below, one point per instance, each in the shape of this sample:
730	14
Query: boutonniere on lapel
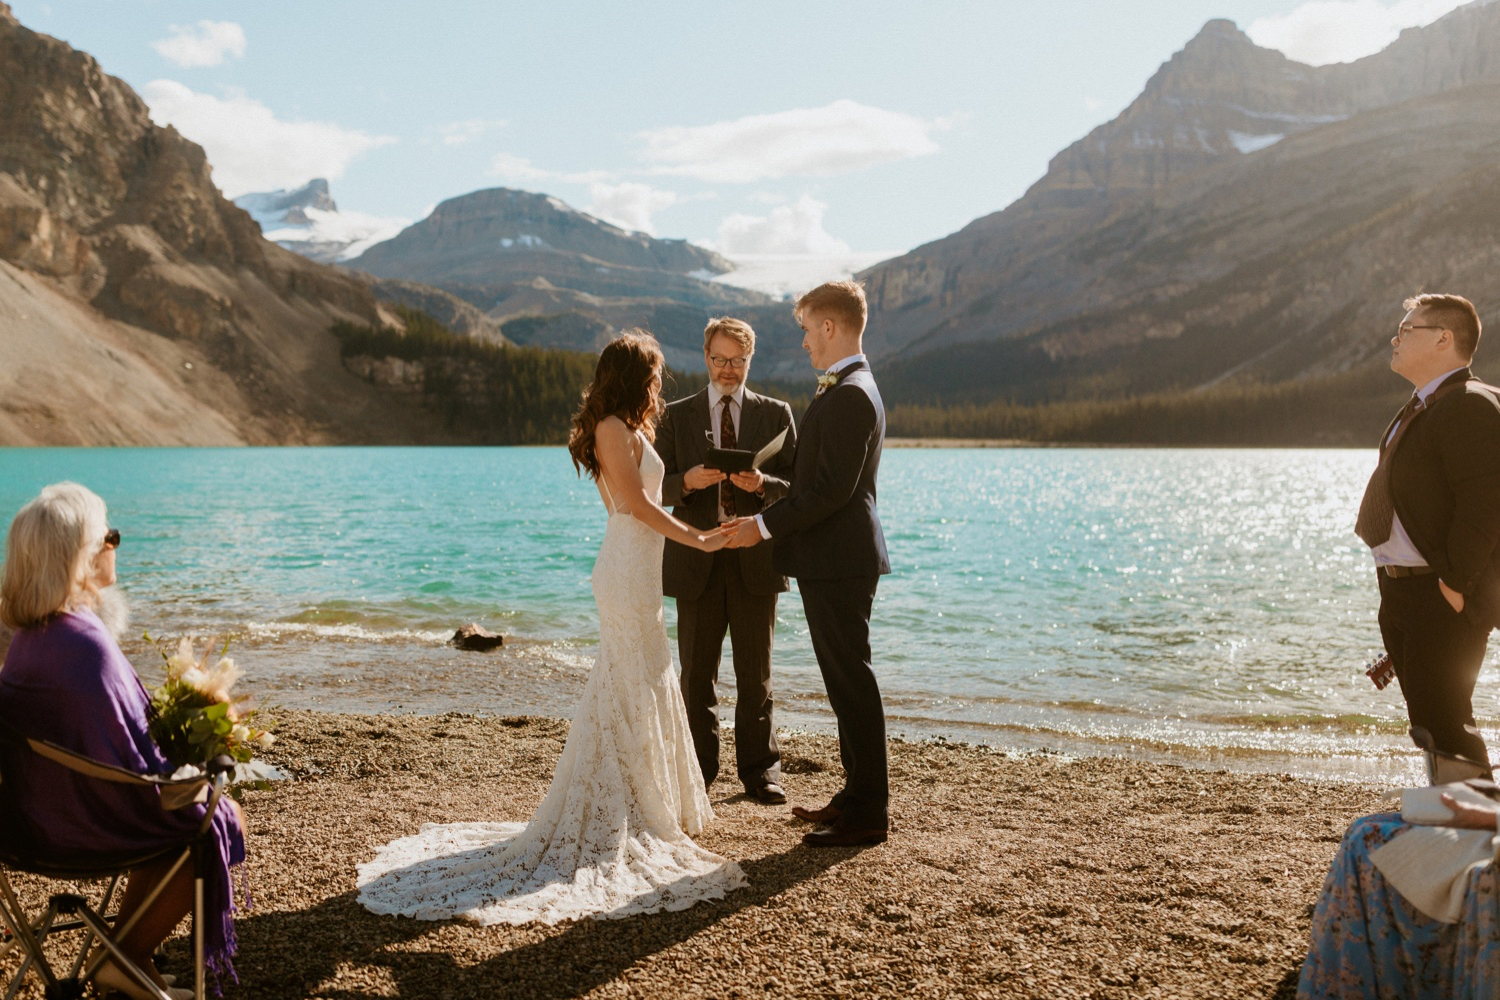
825	382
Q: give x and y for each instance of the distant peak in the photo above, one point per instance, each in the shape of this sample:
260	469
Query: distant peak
1219	31
502	199
313	194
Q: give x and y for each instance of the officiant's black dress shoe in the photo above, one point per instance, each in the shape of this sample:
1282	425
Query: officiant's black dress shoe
827	814
840	834
770	793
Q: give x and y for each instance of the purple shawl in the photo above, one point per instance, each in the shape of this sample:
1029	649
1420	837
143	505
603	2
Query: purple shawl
68	683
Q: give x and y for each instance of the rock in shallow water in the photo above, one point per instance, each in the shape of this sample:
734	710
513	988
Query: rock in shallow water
476	637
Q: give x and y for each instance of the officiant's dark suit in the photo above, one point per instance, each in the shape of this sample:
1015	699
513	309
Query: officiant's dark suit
1440	463
732	589
827	534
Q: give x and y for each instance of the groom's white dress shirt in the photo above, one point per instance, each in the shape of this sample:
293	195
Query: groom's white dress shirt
837	366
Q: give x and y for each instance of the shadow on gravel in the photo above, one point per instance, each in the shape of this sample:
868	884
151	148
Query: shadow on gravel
1287	988
285	955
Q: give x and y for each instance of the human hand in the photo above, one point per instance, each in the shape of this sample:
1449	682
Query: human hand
746	533
698	478
1467	817
751	481
1454	598
714	540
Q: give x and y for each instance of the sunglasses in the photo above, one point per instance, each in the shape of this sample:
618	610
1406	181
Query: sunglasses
112	538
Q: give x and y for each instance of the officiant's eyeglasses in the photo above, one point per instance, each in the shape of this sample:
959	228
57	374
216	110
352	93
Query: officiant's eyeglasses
1405	328
112	538
735	363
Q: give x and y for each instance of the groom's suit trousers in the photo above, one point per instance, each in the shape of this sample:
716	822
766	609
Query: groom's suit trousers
838	621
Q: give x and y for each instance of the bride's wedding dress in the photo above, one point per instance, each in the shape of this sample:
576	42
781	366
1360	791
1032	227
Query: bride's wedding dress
612	837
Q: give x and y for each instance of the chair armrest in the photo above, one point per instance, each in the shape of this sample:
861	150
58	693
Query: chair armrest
222	764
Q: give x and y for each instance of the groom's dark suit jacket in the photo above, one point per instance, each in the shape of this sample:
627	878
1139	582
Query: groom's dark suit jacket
682	442
1445	485
827	527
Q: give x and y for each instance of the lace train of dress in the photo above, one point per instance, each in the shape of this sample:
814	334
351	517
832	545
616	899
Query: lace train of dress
612	837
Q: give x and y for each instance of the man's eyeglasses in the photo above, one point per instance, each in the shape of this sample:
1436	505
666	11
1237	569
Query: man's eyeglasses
112	538
1405	328
735	363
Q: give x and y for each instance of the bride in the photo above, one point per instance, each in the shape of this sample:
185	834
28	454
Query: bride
612	837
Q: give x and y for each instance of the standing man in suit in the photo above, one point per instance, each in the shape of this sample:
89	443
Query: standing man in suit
733	590
1431	516
827	534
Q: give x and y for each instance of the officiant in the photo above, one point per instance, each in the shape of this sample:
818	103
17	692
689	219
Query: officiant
731	591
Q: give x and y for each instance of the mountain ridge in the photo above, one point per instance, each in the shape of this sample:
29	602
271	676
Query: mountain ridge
1054	275
142	306
501	234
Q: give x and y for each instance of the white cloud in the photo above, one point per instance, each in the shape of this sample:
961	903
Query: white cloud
205	44
459	133
249	147
1330	31
629	204
357	229
513	169
835	139
789	229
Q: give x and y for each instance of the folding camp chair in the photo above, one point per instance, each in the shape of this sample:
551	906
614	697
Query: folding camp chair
1443	767
70	911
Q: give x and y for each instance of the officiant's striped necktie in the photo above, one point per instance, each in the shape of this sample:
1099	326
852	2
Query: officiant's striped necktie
727	439
1377	509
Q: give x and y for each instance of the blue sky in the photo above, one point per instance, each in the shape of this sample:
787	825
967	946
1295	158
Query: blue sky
816	126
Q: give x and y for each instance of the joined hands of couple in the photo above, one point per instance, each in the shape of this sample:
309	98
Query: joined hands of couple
742	532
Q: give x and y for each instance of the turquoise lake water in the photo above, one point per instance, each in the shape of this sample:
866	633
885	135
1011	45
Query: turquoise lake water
1208	607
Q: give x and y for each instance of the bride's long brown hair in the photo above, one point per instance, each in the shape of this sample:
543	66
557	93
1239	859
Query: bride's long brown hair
627	385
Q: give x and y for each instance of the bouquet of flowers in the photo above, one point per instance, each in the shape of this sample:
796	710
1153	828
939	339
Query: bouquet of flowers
194	716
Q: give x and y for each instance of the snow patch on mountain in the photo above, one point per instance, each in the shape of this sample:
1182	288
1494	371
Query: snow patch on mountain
1247	143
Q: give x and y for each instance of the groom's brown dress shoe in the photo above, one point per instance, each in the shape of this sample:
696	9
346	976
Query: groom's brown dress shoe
839	834
827	814
770	793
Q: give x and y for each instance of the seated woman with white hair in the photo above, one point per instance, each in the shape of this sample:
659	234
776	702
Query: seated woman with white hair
66	681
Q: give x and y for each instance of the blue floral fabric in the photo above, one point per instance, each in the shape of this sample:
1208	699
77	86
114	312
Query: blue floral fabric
1368	941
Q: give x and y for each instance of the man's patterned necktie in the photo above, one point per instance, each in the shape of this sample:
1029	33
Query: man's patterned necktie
1377	510
727	439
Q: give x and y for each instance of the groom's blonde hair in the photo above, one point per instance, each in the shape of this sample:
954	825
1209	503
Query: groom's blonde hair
843	301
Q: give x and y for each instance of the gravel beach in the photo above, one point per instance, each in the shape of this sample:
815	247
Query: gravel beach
1005	876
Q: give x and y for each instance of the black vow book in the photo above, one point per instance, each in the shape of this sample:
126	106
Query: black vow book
740	460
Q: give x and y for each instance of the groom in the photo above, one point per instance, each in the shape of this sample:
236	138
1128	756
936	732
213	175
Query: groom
828	536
